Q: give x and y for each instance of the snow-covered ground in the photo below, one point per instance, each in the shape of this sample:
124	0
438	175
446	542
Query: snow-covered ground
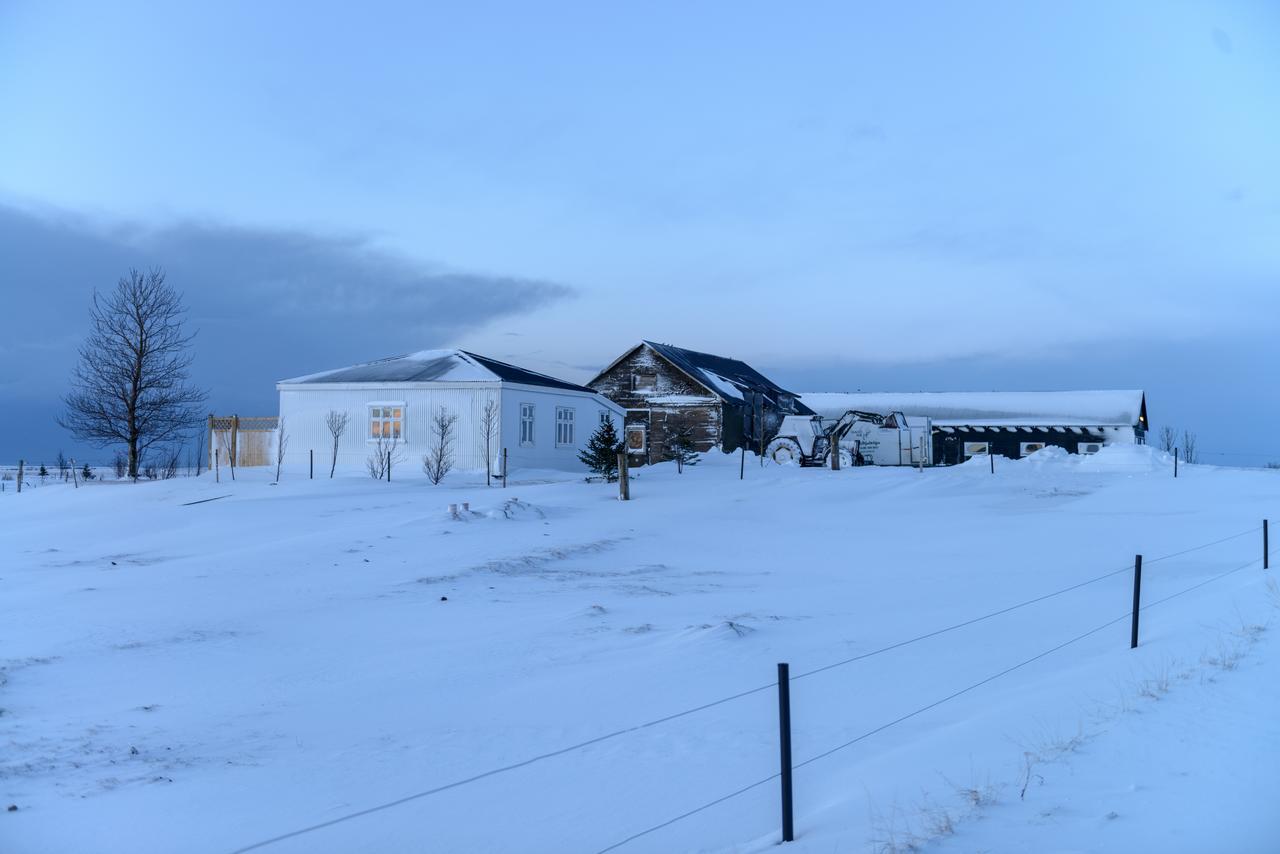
200	677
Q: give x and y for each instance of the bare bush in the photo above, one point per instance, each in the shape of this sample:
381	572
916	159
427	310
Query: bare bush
1189	452
170	460
282	444
489	428
385	456
336	422
120	463
1168	439
438	460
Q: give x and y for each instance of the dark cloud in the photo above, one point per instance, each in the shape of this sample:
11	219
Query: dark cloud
267	304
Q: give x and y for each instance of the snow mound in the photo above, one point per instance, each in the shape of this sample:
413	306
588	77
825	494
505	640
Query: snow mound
1126	459
1049	455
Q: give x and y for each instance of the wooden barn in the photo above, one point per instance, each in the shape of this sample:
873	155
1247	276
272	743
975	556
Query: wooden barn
715	402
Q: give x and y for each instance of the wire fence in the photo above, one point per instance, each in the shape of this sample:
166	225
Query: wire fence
1131	614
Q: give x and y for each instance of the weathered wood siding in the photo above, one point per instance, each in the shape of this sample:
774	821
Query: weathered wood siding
669	404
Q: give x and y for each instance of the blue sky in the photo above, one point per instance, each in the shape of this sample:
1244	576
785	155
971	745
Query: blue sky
979	195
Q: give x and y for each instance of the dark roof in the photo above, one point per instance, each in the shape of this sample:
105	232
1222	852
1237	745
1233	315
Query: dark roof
707	368
513	374
435	366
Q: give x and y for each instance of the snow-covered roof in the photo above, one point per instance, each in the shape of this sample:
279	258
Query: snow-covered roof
731	380
991	407
444	366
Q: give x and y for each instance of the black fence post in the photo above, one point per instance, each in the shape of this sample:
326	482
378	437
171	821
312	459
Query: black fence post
991	452
742	463
784	741
1175	462
311	464
388	466
1137	599
1266	549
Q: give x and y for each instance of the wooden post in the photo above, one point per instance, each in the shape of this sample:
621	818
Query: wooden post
1175	462
784	743
311	474
624	478
504	468
75	480
388	466
991	453
835	456
212	452
235	431
20	466
1137	599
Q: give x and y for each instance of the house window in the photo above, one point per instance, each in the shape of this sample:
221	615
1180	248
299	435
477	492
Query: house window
386	422
564	425
1025	448
644	382
973	449
605	416
526	424
1088	447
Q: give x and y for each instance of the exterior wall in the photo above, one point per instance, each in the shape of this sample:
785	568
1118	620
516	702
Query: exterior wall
673	402
304	407
948	448
543	452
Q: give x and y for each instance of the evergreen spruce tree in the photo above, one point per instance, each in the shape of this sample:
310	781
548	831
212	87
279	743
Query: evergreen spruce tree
44	472
86	473
601	454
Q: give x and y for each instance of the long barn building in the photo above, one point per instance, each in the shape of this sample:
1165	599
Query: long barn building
1011	423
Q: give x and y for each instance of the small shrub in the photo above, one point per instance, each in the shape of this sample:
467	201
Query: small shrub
86	473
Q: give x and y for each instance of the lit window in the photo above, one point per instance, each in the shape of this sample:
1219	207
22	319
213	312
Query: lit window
526	424
386	422
564	425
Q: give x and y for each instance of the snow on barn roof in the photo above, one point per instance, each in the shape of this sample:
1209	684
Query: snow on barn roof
1006	407
730	379
444	366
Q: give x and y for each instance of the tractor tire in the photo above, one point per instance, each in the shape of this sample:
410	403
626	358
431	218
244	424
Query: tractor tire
784	451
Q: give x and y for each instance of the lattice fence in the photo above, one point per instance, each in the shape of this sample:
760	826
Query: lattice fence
250	440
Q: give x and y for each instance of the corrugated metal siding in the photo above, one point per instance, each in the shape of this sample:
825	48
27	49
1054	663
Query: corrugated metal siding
544	453
304	410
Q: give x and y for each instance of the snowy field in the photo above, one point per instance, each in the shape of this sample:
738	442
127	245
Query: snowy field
201	677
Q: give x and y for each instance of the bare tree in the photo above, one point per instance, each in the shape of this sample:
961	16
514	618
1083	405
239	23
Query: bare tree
1189	453
131	385
680	445
438	460
62	466
488	435
337	423
282	444
1168	439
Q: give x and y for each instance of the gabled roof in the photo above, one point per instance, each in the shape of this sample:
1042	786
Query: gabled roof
1125	407
446	366
731	380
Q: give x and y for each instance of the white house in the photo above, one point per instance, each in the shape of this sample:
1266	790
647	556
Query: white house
542	422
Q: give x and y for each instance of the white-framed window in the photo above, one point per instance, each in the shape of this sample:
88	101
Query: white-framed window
644	382
386	421
526	423
1025	448
564	425
973	449
1088	447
